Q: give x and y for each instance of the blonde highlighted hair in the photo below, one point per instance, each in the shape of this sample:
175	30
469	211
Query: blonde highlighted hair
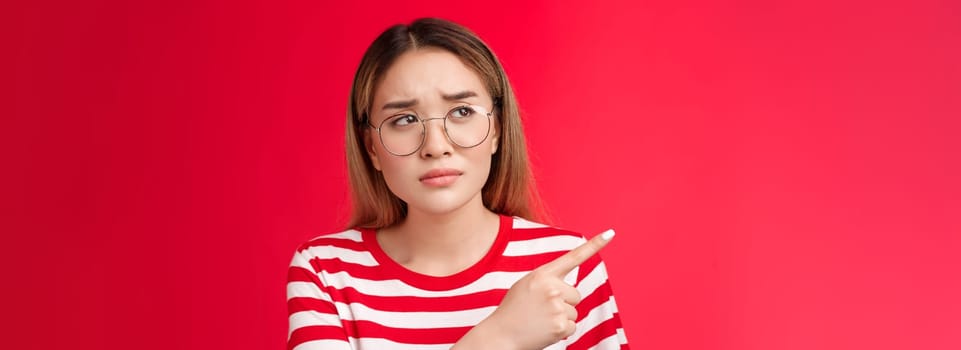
509	189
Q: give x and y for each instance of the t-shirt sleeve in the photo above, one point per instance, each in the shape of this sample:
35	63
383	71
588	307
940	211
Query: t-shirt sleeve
598	322
311	313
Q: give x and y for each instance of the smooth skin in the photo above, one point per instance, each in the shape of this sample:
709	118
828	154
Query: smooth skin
447	229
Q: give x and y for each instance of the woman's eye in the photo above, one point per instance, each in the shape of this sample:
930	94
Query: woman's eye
462	112
404	120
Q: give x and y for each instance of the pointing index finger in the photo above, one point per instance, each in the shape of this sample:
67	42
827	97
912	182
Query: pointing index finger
567	262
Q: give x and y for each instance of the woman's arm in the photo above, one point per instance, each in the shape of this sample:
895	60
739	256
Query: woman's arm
599	323
541	310
312	316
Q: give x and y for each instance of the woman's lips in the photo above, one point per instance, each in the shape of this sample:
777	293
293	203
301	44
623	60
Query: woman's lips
440	180
440	177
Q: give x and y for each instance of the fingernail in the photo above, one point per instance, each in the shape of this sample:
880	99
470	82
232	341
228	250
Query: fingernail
607	235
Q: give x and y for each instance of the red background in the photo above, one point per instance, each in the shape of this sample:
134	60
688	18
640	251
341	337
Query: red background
782	175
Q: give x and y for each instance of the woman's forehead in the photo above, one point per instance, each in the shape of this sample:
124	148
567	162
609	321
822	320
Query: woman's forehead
427	75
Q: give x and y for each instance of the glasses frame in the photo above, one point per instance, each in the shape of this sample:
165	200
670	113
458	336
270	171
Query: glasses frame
423	128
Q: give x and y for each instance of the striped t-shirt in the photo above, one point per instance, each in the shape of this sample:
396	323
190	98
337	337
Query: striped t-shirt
344	292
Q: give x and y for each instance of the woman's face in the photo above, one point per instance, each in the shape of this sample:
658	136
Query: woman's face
428	83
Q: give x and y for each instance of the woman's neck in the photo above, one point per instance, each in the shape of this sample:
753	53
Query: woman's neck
442	244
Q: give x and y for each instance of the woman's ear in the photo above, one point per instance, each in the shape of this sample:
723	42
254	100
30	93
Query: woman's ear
369	146
495	140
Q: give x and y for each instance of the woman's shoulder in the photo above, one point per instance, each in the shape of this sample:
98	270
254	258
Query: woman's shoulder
527	233
349	239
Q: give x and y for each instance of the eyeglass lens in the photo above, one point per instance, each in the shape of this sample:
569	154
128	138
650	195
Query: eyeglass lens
466	126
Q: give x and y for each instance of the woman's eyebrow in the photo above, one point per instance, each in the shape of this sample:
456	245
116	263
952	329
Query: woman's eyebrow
410	103
460	95
400	104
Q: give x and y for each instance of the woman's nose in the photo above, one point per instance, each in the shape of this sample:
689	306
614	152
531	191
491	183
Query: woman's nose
436	143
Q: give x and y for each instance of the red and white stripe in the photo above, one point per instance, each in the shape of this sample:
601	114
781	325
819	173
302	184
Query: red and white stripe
341	295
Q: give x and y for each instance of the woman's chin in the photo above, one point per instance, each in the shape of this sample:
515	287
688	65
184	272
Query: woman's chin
439	204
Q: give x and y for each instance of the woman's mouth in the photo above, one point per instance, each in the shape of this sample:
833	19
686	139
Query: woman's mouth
440	177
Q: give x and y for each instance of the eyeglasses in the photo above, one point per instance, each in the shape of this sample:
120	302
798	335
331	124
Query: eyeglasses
404	134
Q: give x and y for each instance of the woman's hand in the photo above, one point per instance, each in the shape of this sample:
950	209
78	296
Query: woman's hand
538	310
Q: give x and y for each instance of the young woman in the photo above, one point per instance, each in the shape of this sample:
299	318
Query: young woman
442	250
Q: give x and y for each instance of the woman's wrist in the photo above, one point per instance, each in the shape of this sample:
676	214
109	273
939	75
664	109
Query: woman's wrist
484	335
